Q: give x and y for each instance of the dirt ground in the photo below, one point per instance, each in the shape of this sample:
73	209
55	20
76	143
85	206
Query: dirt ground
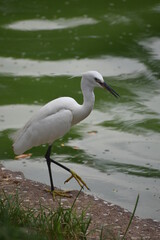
103	213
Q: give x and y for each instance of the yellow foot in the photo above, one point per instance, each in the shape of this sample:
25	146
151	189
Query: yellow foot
78	179
60	193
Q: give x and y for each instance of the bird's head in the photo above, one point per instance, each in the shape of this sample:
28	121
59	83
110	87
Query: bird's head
94	79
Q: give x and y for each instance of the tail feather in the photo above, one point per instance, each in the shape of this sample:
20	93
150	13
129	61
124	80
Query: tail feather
18	142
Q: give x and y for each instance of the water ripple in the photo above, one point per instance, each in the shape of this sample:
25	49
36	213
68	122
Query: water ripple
152	45
43	24
107	65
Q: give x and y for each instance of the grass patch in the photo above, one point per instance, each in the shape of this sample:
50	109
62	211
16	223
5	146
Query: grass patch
17	222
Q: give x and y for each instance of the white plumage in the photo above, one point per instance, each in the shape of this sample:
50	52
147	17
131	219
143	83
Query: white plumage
56	118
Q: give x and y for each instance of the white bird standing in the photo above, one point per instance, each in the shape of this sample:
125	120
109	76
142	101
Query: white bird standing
56	118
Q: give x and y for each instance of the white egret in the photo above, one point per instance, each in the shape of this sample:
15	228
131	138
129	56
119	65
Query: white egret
56	118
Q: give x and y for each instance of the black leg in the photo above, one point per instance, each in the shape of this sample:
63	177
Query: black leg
60	165
47	156
73	174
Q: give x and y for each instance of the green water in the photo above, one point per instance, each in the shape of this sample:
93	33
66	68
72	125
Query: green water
43	44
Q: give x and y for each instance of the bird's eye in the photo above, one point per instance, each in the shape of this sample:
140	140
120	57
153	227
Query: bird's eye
96	79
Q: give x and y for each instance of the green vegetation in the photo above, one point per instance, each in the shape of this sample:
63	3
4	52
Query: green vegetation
17	222
28	223
133	213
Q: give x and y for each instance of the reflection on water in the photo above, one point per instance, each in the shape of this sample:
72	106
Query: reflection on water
153	103
39	24
106	65
153	46
116	19
157	8
15	116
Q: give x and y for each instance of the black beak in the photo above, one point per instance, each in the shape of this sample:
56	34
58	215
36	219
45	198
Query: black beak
107	87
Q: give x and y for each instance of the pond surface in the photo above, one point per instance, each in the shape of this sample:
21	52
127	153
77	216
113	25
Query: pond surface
44	48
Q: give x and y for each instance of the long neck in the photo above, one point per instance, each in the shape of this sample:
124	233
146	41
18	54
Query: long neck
82	111
88	99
